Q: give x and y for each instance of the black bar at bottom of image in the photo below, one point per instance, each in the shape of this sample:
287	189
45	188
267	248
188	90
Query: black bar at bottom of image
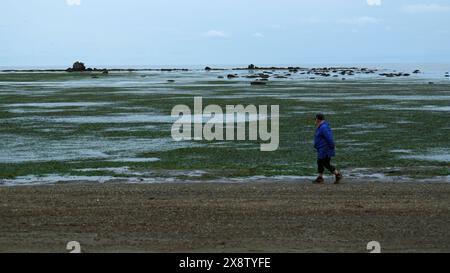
223	262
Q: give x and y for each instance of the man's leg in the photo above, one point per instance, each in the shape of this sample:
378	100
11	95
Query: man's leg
320	170
333	170
328	166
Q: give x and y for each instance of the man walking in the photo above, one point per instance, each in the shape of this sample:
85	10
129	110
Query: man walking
324	144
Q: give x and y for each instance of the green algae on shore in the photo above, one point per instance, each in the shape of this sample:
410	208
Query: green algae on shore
58	123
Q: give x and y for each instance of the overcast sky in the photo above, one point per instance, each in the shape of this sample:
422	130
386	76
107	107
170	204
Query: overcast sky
213	32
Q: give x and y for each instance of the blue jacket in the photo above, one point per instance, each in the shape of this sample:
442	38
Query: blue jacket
323	141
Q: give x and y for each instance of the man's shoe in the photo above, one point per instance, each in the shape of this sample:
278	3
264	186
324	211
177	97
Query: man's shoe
319	180
338	177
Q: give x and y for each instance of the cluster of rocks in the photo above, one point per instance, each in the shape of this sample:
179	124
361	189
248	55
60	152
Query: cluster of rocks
272	68
338	71
268	72
399	74
391	75
264	74
77	67
166	69
207	68
232	76
260	78
334	72
80	67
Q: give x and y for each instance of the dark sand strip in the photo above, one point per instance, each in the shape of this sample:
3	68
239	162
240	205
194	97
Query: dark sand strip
294	217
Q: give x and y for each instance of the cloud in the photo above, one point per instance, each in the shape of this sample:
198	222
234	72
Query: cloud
361	21
73	2
215	34
374	2
258	35
425	8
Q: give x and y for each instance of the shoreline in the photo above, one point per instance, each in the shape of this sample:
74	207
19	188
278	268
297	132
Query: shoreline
98	180
292	69
263	72
226	217
207	68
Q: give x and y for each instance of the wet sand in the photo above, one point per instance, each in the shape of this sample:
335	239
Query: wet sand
224	217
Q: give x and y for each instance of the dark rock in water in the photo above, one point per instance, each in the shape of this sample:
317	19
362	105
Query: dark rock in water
391	75
105	71
170	80
416	71
252	66
430	82
232	76
280	77
264	76
77	67
447	75
220	77
406	74
208	68
344	79
258	83
95	77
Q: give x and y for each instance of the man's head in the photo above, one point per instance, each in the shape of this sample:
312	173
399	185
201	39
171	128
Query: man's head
319	118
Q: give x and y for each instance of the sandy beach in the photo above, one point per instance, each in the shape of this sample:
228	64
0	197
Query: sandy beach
224	217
